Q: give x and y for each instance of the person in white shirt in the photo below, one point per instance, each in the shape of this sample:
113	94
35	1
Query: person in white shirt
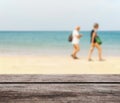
75	42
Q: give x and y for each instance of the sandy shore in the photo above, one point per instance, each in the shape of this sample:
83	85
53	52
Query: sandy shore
57	65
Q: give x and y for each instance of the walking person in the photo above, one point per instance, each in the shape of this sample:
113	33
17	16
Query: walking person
75	41
95	43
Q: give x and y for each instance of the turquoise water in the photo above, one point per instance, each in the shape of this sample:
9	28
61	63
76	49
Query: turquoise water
54	43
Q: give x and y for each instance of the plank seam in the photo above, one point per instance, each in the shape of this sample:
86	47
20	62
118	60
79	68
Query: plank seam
59	83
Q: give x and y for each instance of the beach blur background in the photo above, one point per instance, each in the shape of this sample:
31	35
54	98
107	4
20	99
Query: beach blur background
34	36
48	52
42	27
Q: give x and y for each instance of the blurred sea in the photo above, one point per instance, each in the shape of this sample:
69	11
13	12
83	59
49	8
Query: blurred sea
54	43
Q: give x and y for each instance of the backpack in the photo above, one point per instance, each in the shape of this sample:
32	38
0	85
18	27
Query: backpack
70	38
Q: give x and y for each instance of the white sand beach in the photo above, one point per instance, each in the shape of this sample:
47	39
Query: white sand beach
57	65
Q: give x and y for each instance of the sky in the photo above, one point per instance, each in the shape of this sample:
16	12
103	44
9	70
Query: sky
59	14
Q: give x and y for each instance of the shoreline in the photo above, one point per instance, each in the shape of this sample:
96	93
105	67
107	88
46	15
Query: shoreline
57	65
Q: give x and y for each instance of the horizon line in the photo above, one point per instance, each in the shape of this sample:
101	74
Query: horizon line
53	30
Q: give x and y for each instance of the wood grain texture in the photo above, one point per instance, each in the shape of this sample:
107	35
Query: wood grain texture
59	78
60	93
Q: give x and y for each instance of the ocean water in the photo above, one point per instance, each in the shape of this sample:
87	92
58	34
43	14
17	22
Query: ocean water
54	43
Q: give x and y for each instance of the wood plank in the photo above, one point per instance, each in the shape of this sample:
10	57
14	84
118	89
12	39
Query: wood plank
59	78
59	93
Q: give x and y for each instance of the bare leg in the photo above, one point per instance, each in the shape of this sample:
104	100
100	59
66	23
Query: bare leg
99	51
90	52
76	49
